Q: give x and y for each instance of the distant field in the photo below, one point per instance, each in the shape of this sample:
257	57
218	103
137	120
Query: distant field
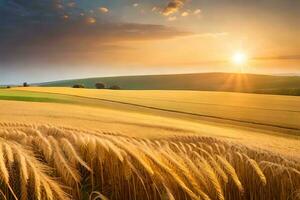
254	109
264	112
86	114
249	83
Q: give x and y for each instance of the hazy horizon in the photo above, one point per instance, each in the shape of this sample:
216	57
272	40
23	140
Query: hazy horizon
141	74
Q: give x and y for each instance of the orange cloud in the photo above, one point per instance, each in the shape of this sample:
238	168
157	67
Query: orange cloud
172	18
197	11
172	7
91	20
103	9
184	14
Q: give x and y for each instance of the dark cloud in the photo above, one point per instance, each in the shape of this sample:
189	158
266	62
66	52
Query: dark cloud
173	6
42	28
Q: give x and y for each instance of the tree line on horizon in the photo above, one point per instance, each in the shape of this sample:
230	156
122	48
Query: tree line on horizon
272	91
99	86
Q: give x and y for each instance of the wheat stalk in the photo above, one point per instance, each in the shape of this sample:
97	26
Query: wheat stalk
231	171
256	169
59	163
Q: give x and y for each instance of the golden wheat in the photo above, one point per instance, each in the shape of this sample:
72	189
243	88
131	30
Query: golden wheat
55	163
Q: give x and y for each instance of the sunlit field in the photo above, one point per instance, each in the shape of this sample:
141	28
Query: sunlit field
269	110
45	162
64	143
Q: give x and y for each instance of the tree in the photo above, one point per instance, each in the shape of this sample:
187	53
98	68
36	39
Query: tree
114	87
78	86
25	84
100	85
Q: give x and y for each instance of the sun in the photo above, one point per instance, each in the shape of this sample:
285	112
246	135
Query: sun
239	58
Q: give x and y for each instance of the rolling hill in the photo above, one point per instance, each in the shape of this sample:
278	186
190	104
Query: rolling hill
250	83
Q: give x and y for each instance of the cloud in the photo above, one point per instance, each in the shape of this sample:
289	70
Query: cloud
154	8
197	12
103	9
91	20
213	35
51	33
280	57
185	14
172	18
79	36
71	4
172	7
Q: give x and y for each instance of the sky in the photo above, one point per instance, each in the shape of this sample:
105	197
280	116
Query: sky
44	40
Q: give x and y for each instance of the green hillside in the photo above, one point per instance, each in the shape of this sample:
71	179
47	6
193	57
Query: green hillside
252	83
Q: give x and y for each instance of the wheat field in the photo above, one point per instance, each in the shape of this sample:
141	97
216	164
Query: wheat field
67	147
272	110
51	162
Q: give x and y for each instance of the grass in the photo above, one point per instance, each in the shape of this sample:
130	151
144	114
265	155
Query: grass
249	83
47	162
32	97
